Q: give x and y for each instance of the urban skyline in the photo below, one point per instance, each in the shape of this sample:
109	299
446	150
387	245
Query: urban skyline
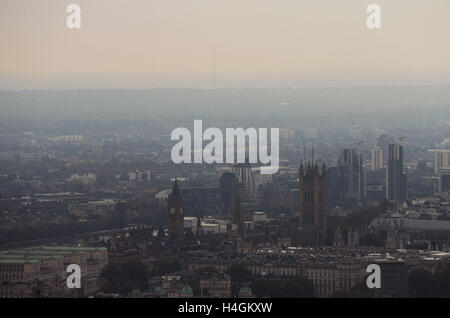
224	154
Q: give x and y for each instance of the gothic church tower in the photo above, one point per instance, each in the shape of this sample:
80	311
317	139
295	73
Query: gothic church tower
176	214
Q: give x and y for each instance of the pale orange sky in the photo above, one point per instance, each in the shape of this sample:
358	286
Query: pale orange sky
170	43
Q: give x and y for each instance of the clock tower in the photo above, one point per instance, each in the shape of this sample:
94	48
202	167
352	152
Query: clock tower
176	213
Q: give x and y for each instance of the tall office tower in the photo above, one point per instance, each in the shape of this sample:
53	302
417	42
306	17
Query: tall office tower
441	159
228	188
237	217
312	203
396	177
176	214
243	173
383	142
351	174
333	186
377	158
444	180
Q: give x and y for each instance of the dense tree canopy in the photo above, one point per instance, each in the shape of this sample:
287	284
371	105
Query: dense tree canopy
298	287
425	284
123	278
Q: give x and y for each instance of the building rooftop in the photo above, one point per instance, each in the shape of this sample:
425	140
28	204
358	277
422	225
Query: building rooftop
29	256
163	194
18	261
74	248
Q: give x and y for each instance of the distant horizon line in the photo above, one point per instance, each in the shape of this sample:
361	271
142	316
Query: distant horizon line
230	88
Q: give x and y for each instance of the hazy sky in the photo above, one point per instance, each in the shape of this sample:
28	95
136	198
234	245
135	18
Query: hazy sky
170	43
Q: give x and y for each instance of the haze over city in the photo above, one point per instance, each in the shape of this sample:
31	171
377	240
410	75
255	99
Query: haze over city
136	161
256	43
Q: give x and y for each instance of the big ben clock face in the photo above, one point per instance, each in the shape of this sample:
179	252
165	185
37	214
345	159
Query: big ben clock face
172	211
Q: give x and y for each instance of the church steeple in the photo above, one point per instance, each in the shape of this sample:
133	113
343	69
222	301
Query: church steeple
324	168
316	168
301	171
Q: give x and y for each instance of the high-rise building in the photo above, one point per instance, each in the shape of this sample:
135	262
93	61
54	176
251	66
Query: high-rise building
237	216
376	158
351	175
375	185
441	159
396	177
444	180
228	188
176	214
333	186
312	203
243	173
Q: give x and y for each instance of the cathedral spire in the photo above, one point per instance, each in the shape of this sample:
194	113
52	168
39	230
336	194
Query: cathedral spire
316	167
301	171
324	168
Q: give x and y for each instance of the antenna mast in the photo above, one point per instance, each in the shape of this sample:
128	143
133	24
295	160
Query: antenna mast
214	74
